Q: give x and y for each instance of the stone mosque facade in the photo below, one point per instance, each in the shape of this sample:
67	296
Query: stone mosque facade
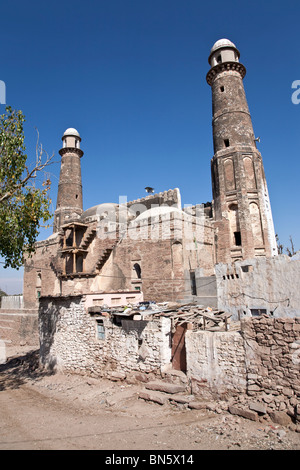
152	249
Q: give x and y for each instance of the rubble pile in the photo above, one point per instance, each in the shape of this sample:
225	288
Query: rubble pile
199	317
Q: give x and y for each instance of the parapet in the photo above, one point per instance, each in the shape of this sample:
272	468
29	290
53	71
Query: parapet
171	197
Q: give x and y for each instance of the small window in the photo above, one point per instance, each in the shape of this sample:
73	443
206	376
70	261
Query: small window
257	312
222	89
248	268
226	142
137	288
237	238
100	330
193	283
219	59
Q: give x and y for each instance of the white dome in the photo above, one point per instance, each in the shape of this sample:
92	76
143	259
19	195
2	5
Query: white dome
71	131
158	211
222	43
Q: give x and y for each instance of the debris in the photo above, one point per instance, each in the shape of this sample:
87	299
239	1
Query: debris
199	317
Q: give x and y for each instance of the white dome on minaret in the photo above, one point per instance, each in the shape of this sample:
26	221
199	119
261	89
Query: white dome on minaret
223	51
71	131
222	43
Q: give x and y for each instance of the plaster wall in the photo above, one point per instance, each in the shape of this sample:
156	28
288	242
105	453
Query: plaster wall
271	285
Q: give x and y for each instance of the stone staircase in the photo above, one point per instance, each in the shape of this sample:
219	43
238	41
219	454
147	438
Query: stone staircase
87	238
55	267
103	258
105	254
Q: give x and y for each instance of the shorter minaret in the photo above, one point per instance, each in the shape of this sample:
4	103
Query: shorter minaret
242	212
69	196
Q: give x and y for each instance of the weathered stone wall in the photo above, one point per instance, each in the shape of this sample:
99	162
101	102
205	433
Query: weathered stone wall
216	363
19	327
261	363
272	355
69	341
11	302
272	284
40	272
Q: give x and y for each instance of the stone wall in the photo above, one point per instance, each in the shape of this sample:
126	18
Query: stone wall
272	355
19	327
40	272
69	340
216	363
271	285
259	364
261	361
11	302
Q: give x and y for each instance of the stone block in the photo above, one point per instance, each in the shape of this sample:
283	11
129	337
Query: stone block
197	405
181	398
116	375
245	413
165	387
280	417
153	396
258	407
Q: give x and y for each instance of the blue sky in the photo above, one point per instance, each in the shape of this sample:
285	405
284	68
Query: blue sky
130	76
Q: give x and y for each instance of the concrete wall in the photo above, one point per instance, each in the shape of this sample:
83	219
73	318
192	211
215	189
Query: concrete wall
271	284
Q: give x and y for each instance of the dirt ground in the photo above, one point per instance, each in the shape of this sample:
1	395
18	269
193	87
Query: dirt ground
68	412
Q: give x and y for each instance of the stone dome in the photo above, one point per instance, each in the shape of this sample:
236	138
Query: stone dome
71	131
222	43
158	211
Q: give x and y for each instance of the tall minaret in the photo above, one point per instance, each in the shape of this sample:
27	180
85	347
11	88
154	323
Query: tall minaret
69	196
242	212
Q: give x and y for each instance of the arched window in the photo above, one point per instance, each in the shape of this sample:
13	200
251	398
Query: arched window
138	271
229	175
249	173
